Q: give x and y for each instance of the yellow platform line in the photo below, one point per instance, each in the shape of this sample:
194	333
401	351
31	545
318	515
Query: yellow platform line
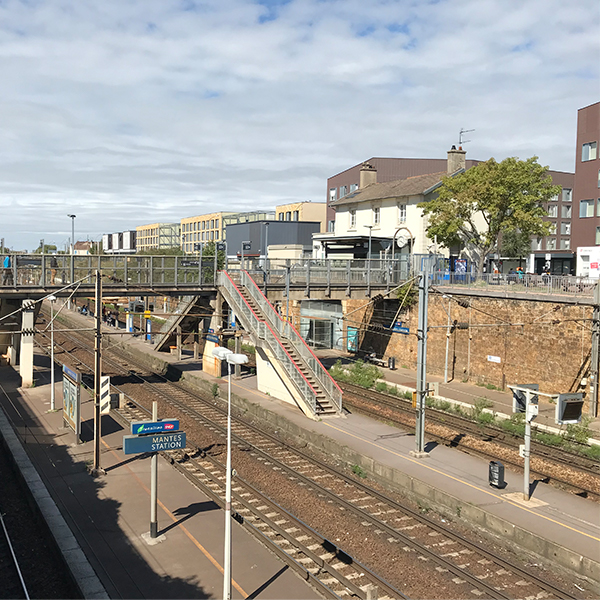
198	545
475	487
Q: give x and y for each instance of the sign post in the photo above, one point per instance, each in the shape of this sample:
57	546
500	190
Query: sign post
152	436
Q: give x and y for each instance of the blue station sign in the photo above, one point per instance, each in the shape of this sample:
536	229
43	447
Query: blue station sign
133	444
166	425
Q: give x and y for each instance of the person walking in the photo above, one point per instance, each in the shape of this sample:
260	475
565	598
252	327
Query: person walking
53	267
7	275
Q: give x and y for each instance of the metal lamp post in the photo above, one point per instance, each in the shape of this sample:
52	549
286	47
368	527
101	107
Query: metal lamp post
52	300
410	241
72	217
232	359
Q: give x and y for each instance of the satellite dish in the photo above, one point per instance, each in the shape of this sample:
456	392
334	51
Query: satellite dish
401	241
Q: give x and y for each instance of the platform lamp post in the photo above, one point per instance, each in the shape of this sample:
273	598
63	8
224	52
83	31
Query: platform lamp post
401	242
52	300
72	217
232	359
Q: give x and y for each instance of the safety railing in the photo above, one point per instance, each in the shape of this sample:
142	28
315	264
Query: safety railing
286	330
518	283
264	332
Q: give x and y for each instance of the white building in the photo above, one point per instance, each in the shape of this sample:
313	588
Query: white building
588	261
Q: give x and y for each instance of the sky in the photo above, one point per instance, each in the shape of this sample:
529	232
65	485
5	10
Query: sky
129	112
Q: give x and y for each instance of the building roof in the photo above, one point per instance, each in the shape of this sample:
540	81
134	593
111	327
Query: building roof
412	186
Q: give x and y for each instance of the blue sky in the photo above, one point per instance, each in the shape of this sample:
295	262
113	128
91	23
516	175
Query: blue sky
127	112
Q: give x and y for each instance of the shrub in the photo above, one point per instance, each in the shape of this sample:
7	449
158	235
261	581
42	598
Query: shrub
380	386
359	471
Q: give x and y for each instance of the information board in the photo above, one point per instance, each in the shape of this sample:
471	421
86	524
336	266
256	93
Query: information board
72	399
137	444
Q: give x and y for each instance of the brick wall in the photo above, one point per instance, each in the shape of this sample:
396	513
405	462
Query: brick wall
545	343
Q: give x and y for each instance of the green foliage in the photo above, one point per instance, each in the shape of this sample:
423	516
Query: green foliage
408	294
359	471
360	373
515	243
579	432
48	248
246	348
381	387
393	391
174	251
215	390
506	196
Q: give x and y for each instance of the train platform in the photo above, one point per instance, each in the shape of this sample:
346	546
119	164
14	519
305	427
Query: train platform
109	515
554	525
499	401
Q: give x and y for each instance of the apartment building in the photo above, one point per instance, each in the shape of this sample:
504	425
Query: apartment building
303	211
202	229
586	192
157	236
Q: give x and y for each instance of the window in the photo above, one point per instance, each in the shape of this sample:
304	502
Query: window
565	212
353	218
217	234
553	211
203	236
212	236
195	223
586	209
597	240
296	215
552	228
565	244
376	215
281	216
536	244
331	226
212	223
567	195
216	223
565	228
332	194
401	213
588	151
203	224
553	199
550	243
598	178
343	190
353	187
288	215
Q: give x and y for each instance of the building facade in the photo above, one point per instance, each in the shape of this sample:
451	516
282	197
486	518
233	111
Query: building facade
586	191
202	229
303	211
122	242
388	169
157	236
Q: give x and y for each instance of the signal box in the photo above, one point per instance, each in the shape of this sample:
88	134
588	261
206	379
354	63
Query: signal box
569	408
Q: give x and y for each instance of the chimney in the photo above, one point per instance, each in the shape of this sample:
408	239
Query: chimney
456	159
368	175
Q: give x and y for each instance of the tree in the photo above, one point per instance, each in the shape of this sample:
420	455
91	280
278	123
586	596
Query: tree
47	249
515	244
473	209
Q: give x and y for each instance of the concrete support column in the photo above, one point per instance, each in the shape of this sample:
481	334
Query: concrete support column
26	355
211	364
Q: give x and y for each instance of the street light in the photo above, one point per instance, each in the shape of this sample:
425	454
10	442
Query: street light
401	242
72	217
52	300
232	359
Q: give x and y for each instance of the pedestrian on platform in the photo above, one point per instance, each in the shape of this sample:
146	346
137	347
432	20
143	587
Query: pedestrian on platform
7	275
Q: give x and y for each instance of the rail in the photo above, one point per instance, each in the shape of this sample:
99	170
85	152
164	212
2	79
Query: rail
286	330
264	332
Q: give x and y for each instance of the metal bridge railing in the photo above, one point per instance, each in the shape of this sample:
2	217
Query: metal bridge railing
286	330
264	332
557	285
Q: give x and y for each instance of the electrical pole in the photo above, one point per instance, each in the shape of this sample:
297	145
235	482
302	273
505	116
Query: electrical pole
97	374
419	451
593	406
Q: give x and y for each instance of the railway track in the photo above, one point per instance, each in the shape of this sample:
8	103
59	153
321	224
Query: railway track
473	570
11	576
550	464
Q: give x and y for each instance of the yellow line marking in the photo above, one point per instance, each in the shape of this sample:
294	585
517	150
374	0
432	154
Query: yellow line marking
174	519
475	487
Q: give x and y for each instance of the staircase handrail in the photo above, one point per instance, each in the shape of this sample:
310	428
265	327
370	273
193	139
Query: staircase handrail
167	326
288	331
266	333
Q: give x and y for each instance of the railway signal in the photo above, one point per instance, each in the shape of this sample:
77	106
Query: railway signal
569	408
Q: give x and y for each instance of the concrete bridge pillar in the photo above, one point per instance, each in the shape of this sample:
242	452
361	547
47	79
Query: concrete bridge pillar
211	364
26	354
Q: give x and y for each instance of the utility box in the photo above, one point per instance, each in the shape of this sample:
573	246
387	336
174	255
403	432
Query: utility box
496	474
391	363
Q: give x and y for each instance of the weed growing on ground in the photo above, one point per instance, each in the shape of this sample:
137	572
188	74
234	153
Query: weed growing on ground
359	471
215	390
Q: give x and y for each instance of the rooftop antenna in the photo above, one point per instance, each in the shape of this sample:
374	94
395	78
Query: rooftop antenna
460	136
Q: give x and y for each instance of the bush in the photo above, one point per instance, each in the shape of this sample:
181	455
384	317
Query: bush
381	387
393	391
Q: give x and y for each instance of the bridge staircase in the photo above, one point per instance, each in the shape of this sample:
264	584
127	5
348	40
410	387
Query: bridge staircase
186	315
314	390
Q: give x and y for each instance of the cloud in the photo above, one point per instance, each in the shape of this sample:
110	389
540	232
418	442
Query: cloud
122	111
